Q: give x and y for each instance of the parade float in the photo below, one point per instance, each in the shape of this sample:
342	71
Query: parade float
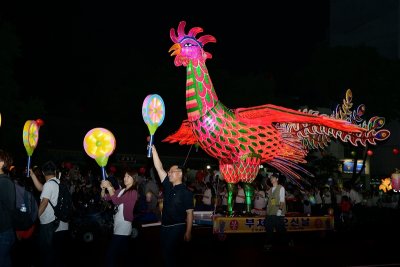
243	138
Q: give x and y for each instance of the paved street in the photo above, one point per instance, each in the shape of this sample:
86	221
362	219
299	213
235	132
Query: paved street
368	244
310	249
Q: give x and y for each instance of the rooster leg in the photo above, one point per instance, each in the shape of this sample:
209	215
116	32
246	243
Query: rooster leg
228	171
232	191
249	193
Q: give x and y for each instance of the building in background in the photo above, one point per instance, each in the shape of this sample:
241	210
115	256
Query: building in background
375	24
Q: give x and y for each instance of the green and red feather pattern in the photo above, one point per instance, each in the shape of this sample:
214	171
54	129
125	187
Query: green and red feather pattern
243	138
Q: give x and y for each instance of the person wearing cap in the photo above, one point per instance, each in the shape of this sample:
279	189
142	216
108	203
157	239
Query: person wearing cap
276	210
177	213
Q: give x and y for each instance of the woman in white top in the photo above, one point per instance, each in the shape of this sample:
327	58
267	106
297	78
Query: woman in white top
124	199
260	202
240	199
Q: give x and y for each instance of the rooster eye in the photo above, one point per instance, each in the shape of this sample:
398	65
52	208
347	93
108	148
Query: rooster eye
190	45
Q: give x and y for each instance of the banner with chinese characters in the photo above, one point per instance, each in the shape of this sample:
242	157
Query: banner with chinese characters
256	224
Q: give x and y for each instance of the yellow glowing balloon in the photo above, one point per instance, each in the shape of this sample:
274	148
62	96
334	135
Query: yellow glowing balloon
30	136
99	144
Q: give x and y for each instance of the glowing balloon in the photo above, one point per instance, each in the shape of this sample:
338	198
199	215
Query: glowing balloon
99	144
113	169
153	112
370	153
40	122
395	151
30	137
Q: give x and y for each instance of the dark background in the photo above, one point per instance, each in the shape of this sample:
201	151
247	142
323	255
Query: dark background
81	65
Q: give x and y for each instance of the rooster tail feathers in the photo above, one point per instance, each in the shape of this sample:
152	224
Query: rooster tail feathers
289	168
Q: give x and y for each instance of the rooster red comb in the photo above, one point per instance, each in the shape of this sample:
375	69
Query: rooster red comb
191	34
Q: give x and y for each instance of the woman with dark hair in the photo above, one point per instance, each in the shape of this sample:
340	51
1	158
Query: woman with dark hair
7	205
124	199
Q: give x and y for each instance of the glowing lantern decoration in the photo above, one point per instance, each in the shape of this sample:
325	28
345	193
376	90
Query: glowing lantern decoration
243	138
40	122
99	144
153	112
68	165
370	153
395	151
396	181
30	137
386	185
113	169
353	153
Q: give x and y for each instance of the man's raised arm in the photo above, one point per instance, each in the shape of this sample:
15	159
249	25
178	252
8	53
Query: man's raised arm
158	165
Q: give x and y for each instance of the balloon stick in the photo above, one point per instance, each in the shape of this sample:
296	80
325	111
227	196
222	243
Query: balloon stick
149	147
28	167
103	172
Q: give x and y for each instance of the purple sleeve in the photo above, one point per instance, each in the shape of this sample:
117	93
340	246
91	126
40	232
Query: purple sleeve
129	200
129	204
108	197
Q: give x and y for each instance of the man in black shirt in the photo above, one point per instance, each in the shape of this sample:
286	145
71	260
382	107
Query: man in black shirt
177	213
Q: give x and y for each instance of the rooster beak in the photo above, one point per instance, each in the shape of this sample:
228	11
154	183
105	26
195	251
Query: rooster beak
176	48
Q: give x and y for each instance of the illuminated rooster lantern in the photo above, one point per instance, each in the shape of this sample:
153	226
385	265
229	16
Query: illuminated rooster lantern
242	139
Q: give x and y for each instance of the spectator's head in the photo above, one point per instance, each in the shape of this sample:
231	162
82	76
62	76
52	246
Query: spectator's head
5	161
274	179
175	174
49	168
130	178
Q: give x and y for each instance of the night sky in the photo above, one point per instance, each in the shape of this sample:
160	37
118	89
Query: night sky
94	62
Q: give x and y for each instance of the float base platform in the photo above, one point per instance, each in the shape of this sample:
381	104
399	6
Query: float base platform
231	225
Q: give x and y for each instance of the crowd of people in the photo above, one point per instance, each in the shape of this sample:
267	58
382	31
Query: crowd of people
136	194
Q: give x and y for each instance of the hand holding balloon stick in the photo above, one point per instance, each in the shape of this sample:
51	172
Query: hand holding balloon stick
30	137
99	144
153	112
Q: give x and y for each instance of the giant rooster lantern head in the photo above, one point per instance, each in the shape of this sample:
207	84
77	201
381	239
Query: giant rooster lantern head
241	139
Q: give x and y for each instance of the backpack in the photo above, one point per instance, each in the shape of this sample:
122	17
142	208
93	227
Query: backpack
26	209
64	208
